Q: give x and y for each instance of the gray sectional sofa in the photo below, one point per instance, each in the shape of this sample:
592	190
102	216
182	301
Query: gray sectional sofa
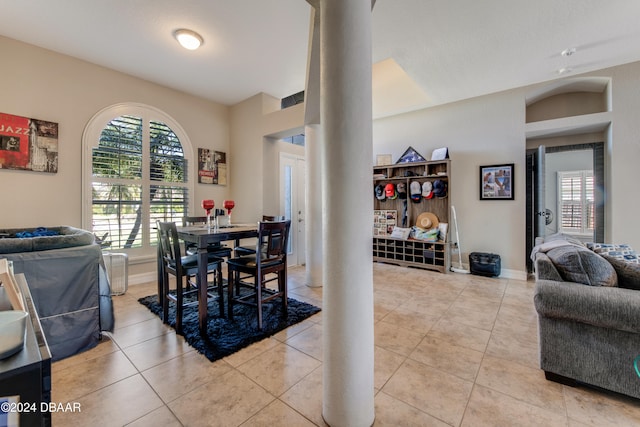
66	276
588	308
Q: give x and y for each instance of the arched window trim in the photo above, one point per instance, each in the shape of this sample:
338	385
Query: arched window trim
90	140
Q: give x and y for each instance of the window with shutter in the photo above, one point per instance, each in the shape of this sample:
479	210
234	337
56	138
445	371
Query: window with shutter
138	175
576	202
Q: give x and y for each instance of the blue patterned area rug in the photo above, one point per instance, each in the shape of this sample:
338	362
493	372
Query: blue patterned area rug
224	336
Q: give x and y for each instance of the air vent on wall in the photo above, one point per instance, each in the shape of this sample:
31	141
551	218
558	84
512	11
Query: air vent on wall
291	100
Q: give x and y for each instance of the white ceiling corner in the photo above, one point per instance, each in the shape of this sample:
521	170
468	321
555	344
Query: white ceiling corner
425	52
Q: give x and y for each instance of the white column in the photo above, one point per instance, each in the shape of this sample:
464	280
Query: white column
347	153
313	203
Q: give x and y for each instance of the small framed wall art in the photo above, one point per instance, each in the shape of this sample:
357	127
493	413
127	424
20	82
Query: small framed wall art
212	167
496	182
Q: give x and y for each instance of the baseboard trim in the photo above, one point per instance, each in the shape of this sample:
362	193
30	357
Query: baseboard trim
504	274
138	279
513	274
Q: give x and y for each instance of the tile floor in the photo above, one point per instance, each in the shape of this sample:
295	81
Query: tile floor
450	350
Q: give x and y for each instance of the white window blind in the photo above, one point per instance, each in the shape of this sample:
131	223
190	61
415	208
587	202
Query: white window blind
576	202
139	176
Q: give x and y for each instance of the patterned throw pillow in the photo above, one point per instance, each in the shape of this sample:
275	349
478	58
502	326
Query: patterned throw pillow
621	252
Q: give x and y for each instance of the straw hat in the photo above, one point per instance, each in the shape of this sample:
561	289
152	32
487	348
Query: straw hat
427	220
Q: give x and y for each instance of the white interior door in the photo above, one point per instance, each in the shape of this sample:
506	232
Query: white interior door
292	192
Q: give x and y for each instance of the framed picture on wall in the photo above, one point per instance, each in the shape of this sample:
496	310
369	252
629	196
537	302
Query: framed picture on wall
496	182
28	144
212	167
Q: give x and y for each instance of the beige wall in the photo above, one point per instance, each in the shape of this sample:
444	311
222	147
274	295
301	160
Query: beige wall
271	168
623	171
487	130
491	130
479	131
45	85
253	124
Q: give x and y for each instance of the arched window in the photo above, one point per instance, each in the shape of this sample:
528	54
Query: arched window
135	173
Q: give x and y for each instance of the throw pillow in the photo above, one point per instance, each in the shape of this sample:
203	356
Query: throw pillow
628	273
621	252
582	266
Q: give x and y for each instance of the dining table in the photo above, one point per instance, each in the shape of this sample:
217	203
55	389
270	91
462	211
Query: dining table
202	236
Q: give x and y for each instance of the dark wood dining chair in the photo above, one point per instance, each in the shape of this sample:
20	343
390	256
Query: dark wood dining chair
184	268
270	258
251	250
216	249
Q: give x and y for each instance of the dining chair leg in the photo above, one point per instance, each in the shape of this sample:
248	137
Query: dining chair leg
179	304
259	280
160	272
220	289
164	284
230	283
282	285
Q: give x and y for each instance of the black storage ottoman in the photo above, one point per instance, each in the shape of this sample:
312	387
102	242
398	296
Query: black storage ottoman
484	264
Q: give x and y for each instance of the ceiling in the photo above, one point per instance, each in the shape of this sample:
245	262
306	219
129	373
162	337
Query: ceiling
425	52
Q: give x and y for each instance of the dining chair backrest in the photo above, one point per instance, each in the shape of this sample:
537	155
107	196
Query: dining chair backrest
273	218
193	220
275	236
170	245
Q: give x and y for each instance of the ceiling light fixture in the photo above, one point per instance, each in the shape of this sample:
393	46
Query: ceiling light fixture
565	70
188	39
568	51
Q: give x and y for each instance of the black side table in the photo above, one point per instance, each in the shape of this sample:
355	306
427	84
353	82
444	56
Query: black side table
25	377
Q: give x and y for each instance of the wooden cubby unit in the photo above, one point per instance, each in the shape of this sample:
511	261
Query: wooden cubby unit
411	252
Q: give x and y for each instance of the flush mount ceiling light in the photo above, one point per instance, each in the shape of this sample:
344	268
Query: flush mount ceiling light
188	39
565	70
568	51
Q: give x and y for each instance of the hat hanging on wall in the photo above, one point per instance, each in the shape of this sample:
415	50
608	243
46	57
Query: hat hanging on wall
439	188
427	190
380	195
416	191
427	220
390	191
401	189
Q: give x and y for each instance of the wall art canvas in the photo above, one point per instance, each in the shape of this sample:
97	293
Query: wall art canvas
212	167
496	182
28	144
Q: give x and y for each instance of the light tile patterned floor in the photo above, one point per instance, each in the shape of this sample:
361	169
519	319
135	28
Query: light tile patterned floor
451	350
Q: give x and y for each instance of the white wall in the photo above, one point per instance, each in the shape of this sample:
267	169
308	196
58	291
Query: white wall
622	170
480	131
490	130
41	84
253	123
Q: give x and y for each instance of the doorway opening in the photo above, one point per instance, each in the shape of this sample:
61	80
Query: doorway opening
292	204
539	204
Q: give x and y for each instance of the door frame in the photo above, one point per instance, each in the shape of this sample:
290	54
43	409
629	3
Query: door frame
297	236
599	184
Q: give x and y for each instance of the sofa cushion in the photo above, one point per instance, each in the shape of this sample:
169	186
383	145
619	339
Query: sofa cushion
581	265
628	273
67	237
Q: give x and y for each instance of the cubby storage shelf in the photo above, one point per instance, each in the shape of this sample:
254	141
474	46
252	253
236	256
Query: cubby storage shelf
413	253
